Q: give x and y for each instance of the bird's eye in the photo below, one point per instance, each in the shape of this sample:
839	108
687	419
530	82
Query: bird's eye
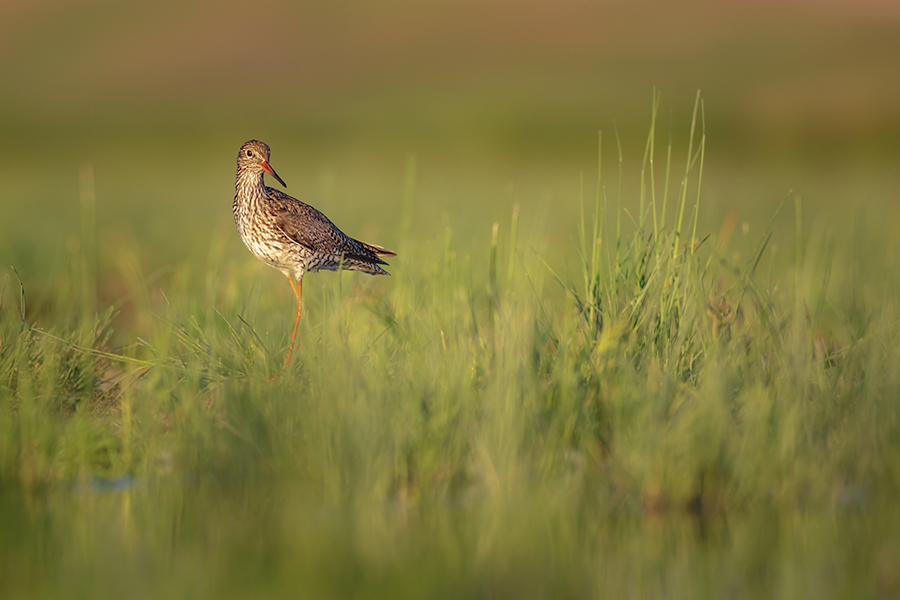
249	152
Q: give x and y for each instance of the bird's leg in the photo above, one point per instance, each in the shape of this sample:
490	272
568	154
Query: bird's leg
298	292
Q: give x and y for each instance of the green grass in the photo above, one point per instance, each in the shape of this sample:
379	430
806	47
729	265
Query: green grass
670	413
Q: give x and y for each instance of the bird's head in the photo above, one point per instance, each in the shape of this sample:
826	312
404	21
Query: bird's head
254	155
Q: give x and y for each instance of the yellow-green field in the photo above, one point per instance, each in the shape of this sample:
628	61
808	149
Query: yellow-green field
597	370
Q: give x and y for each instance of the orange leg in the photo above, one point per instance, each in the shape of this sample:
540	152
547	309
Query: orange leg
298	292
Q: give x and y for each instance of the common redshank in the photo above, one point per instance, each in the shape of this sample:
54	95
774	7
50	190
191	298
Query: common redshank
290	235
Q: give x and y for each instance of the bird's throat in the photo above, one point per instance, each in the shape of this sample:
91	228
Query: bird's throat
249	186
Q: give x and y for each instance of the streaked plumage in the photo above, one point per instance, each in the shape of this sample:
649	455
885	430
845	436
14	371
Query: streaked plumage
290	235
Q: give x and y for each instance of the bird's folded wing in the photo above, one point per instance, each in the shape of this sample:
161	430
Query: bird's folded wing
310	228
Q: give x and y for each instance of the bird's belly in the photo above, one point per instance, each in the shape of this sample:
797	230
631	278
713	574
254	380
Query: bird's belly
274	251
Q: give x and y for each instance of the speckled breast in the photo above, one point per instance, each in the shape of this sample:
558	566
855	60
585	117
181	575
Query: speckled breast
269	245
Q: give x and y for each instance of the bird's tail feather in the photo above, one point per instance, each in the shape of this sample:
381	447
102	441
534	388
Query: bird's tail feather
380	251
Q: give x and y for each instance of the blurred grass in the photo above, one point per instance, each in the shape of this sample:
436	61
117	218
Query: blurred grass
674	412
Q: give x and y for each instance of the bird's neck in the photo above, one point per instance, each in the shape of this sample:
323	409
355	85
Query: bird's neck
249	185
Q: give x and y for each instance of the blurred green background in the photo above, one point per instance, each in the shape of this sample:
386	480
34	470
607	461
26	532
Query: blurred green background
797	78
497	99
367	471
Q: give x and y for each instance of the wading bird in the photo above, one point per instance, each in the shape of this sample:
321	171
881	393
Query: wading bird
290	235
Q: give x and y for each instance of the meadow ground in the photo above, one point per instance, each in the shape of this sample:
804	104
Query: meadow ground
565	389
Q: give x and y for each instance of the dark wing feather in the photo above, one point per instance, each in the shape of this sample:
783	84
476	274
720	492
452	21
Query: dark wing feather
311	228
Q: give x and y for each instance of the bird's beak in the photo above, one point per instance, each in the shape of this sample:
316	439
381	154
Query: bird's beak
268	169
